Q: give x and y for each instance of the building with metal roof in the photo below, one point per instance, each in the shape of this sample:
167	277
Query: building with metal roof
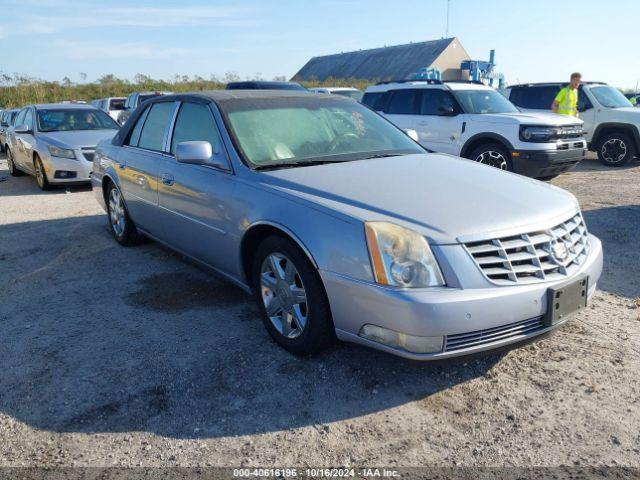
389	63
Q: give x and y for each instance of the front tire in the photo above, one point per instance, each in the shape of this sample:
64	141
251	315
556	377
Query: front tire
616	149
41	174
494	155
122	227
13	170
291	297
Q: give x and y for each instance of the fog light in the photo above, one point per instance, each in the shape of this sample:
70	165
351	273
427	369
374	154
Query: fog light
64	174
410	343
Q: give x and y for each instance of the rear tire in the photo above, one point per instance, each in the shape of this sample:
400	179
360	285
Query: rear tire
41	174
13	170
122	227
287	284
494	155
616	149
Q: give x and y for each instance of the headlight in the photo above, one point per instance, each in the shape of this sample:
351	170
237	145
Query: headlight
401	257
539	134
61	152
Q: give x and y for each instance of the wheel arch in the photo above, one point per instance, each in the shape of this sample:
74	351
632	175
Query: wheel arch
255	234
482	138
612	127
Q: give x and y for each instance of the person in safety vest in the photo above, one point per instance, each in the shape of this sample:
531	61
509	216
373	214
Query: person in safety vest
566	102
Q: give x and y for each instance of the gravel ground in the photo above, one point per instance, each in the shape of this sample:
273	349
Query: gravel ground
114	356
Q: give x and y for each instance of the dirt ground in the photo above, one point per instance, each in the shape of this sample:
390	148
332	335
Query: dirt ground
115	356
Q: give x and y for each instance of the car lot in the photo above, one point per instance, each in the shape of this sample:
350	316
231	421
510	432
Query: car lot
176	369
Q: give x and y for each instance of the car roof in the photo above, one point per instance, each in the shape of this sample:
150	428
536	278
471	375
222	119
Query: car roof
552	84
427	84
68	106
221	96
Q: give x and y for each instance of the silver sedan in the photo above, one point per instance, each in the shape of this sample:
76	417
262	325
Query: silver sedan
342	226
56	142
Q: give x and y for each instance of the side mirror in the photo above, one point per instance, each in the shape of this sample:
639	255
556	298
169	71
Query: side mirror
447	112
199	153
22	129
413	135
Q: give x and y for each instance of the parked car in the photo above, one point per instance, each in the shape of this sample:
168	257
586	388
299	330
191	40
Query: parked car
344	91
611	122
264	85
476	122
56	142
341	225
111	105
133	101
6	120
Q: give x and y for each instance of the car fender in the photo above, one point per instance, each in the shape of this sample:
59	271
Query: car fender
620	126
488	136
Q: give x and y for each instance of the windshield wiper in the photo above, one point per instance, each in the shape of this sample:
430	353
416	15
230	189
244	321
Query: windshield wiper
305	163
383	155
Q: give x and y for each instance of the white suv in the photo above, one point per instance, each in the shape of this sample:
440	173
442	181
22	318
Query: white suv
611	122
474	121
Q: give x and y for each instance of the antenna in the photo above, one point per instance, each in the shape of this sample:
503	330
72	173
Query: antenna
446	33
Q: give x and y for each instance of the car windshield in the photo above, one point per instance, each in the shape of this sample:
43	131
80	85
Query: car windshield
610	97
484	101
275	131
57	120
355	94
116	104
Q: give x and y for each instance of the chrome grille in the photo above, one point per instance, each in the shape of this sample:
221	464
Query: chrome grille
88	153
534	256
490	335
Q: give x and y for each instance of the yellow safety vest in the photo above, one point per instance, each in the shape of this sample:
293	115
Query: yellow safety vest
567	99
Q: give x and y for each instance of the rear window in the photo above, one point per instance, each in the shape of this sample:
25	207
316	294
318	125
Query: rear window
535	98
374	100
116	104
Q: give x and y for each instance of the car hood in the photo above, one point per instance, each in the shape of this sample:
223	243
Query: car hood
447	199
77	138
527	118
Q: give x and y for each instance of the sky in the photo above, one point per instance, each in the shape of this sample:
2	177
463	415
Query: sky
539	40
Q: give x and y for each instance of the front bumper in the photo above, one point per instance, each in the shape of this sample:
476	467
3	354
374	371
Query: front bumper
546	163
68	170
447	312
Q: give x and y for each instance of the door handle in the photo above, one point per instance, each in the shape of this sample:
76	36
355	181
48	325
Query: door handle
423	123
122	165
167	179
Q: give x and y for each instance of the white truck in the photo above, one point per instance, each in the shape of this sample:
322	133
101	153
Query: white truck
611	122
474	121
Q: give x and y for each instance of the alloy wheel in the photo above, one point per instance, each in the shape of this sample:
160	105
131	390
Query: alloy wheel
39	173
116	212
283	295
614	150
493	159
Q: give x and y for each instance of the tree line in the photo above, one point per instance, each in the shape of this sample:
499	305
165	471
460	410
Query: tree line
18	90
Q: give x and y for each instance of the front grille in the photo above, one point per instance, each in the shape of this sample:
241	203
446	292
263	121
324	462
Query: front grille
88	153
570	131
490	335
534	256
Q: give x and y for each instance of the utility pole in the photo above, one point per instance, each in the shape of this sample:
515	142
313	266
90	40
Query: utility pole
446	33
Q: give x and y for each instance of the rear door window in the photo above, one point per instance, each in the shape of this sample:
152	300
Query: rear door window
134	138
28	118
153	130
403	102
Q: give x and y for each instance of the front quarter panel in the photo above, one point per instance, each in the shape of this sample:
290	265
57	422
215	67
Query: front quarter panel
104	166
334	242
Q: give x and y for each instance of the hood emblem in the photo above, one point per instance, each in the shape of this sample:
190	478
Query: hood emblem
559	250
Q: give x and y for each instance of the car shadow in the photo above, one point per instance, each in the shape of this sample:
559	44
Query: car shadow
26	184
618	227
592	164
100	338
